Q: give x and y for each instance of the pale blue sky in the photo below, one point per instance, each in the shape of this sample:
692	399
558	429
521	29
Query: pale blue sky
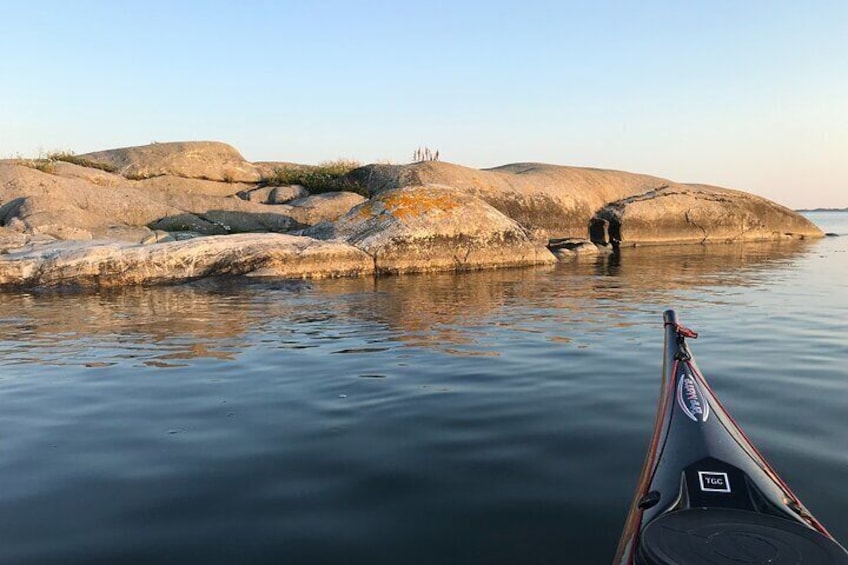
744	94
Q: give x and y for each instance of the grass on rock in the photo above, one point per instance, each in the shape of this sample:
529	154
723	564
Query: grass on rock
46	162
329	176
71	157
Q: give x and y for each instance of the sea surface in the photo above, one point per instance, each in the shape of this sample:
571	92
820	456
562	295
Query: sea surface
482	418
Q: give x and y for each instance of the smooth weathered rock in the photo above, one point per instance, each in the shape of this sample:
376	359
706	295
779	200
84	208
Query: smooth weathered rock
88	174
432	228
697	214
285	194
209	160
111	264
551	201
48	204
72	208
223	222
326	207
11	240
548	201
258	194
182	185
422	217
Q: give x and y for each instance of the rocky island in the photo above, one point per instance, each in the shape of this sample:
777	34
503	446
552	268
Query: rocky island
173	212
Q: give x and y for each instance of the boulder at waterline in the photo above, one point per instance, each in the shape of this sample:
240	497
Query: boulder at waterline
697	214
573	247
433	228
101	264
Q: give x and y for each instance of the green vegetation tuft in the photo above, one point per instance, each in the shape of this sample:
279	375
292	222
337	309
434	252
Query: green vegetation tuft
71	157
46	162
43	165
139	176
329	176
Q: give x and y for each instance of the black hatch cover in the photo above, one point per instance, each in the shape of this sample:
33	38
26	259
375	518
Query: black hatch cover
724	536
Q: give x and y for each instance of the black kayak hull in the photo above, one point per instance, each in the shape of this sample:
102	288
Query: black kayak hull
706	495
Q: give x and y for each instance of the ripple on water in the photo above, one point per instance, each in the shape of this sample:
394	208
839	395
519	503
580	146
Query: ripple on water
490	417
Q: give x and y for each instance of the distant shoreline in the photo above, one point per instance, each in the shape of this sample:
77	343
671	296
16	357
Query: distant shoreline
822	210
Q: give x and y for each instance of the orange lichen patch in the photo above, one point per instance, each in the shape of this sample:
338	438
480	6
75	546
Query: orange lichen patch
403	205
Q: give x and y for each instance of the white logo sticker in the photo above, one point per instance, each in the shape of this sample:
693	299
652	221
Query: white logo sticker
713	482
691	400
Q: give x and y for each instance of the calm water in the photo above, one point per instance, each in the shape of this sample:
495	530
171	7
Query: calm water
496	417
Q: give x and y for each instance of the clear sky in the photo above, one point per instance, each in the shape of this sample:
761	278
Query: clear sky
747	94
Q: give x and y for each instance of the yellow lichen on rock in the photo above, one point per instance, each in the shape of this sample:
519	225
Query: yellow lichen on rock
434	228
405	205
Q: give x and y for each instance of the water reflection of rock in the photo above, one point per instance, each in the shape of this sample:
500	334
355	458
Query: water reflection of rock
166	323
649	269
446	311
565	302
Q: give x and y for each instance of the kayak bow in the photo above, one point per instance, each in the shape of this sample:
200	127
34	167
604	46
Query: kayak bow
706	495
